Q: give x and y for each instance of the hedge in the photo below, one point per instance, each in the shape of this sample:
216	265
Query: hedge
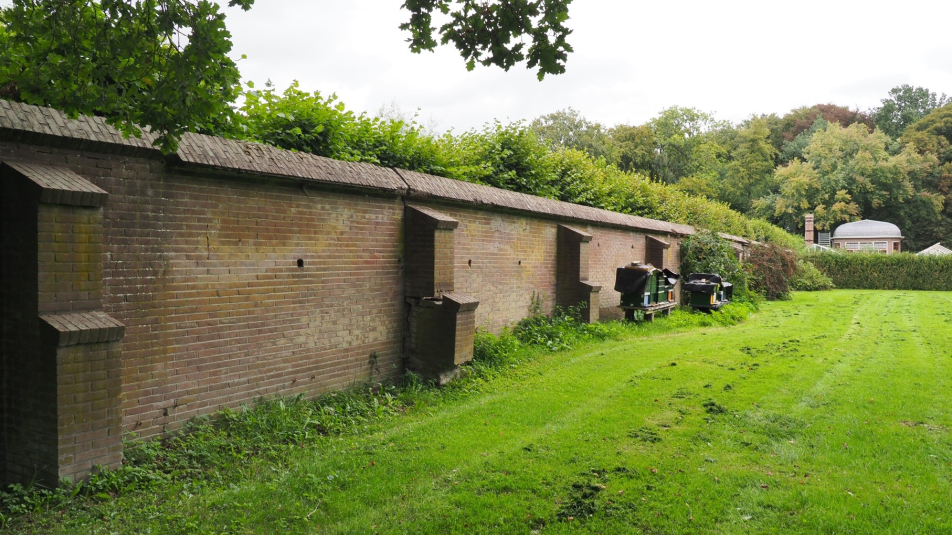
877	271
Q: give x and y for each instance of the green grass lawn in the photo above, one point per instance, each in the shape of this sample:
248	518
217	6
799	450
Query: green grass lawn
825	414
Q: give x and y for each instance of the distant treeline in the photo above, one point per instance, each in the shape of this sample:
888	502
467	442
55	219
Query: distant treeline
891	163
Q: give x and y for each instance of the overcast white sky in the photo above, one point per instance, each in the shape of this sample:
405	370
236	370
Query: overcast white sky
632	58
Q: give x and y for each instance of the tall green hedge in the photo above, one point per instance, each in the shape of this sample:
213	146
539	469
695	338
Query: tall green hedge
877	271
510	157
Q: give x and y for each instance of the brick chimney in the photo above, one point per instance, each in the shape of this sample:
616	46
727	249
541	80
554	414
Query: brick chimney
808	229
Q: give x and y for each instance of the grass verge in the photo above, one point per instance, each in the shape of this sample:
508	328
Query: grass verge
823	414
211	452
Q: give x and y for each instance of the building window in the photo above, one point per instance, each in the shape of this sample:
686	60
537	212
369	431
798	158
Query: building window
895	247
878	246
852	246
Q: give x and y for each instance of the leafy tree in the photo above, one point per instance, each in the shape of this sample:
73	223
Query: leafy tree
771	269
634	149
802	119
904	106
164	65
794	148
567	128
774	125
687	144
750	172
508	157
489	31
706	252
849	174
161	64
931	137
581	179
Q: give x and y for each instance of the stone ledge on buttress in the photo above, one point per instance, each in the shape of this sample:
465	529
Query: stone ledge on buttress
90	327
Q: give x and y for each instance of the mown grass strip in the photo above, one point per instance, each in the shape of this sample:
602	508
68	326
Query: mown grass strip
821	414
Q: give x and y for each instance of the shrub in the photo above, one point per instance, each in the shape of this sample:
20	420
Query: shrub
876	271
808	278
706	252
509	156
771	268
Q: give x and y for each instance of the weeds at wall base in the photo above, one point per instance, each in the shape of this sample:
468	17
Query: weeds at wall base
215	450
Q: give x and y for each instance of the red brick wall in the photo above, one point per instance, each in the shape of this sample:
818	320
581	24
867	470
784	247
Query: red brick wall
70	258
205	274
503	260
203	269
613	248
491	245
28	396
88	381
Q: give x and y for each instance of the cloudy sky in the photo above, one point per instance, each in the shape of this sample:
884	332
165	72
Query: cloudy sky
632	58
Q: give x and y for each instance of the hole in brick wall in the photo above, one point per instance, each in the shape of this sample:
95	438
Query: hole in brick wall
300	263
520	262
470	262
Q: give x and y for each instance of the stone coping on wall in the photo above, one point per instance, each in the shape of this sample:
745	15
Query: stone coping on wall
91	327
422	186
59	185
24	123
436	219
463	301
256	158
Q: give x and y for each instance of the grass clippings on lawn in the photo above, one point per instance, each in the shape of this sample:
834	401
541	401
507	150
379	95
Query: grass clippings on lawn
824	414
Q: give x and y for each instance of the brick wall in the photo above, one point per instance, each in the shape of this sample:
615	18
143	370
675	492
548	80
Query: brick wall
28	399
242	271
504	259
69	258
235	290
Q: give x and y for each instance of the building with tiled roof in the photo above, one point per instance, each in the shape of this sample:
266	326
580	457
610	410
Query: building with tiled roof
868	236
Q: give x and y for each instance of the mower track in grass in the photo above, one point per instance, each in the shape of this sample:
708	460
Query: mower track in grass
824	414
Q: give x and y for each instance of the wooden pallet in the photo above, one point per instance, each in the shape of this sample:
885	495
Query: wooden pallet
649	311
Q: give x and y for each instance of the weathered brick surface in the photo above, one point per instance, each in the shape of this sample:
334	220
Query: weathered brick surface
503	260
74	328
572	287
88	414
58	185
613	248
429	252
28	396
241	271
205	274
70	258
441	334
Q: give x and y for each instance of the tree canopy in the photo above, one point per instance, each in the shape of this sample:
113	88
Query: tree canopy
161	64
904	106
164	64
490	32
